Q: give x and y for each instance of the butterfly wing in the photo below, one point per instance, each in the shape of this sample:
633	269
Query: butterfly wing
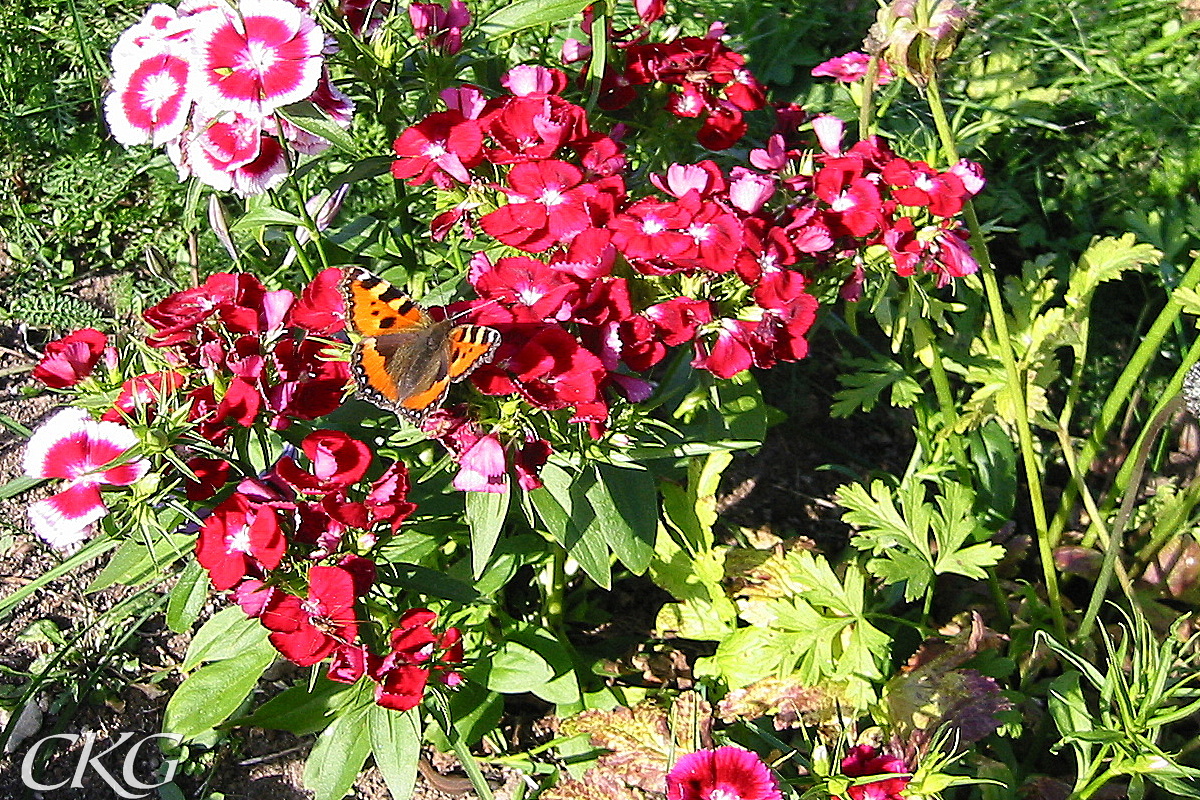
471	346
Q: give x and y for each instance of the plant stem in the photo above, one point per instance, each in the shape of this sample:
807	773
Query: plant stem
1133	372
1168	395
1015	387
554	592
469	764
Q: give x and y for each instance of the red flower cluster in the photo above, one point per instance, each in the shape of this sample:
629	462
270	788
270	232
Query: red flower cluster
257	348
711	82
296	519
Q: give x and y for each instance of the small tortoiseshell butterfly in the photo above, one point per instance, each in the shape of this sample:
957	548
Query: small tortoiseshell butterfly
405	360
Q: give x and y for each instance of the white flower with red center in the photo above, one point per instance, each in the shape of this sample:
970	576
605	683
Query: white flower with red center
266	55
87	454
150	104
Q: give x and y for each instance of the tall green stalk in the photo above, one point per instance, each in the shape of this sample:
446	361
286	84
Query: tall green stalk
1015	386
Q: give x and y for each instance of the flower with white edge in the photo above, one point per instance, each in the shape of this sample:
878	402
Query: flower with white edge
87	454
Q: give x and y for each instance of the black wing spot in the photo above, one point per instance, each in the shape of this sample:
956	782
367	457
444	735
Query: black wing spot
386	322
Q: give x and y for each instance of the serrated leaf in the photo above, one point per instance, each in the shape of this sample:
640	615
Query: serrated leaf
1105	260
867	379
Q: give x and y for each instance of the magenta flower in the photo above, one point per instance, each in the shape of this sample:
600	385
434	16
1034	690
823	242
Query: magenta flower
850	68
255	62
482	467
864	760
726	773
74	447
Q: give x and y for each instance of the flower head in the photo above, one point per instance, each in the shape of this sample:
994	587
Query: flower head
74	447
726	773
70	359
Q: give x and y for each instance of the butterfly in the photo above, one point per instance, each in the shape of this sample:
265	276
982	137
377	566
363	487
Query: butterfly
405	360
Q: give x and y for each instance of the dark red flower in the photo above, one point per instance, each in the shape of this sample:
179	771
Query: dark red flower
336	460
211	477
70	359
306	631
388	499
239	539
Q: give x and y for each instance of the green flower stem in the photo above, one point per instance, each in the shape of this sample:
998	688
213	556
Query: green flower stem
923	337
1119	396
1169	525
555	591
462	751
1173	389
1015	388
867	108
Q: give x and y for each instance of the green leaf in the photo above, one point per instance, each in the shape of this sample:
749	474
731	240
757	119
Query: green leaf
338	755
486	512
307	116
474	709
518	16
568	516
187	597
514	668
396	746
226	634
210	694
430	582
134	563
18	485
625	504
1105	260
866	379
300	710
263	216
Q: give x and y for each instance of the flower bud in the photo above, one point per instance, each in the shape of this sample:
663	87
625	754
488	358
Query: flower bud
913	36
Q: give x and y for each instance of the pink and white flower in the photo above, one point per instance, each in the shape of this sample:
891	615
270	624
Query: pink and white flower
150	104
73	447
267	55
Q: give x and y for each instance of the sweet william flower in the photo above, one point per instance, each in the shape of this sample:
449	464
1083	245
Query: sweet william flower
150	103
443	23
864	760
71	446
482	467
726	773
239	540
265	55
306	631
336	461
442	148
70	359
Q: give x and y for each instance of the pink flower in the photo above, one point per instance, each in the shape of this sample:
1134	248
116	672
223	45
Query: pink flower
850	68
265	56
865	760
444	24
726	773
482	467
74	447
70	359
150	104
749	191
441	147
